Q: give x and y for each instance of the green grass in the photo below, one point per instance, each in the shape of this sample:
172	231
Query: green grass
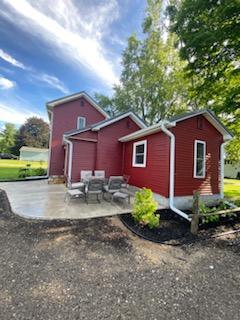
232	189
9	169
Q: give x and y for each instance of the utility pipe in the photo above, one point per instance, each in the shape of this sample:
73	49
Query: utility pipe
172	173
69	176
222	169
50	143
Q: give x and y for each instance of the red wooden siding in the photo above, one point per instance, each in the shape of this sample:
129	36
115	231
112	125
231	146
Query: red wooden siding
109	149
156	173
84	154
106	153
186	132
65	119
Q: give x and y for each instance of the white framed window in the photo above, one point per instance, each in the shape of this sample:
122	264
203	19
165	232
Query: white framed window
199	159
139	154
81	122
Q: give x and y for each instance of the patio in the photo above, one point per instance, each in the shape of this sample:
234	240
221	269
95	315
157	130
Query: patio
39	200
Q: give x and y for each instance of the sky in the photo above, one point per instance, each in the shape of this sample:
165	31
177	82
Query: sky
49	49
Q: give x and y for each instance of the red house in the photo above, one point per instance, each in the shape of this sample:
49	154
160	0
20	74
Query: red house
173	158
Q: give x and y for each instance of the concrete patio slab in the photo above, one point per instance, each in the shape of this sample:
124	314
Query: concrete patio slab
39	200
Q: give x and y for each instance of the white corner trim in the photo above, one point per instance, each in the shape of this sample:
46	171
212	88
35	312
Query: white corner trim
196	142
135	144
222	152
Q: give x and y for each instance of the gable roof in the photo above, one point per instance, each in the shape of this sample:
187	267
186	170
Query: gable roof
210	116
173	122
51	104
107	122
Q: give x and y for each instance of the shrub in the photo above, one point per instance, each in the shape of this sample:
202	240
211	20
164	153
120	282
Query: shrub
39	172
24	172
205	209
144	208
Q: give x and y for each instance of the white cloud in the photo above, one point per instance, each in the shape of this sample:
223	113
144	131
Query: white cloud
52	82
5	56
75	34
14	115
6	83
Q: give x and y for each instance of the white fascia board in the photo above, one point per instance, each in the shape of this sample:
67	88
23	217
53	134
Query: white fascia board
212	120
218	126
73	97
129	114
147	131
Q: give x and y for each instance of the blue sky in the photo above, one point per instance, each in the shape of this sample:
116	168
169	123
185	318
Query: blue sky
49	49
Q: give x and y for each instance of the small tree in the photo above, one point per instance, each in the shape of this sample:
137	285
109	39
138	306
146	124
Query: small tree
7	138
33	133
144	208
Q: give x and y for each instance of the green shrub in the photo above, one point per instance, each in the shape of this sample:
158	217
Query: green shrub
39	172
205	209
24	172
144	208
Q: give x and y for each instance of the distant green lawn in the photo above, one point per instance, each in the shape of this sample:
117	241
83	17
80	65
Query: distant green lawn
232	189
9	169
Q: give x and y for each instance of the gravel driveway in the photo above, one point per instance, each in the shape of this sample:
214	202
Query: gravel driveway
96	269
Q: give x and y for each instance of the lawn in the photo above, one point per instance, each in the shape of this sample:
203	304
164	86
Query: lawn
232	189
9	169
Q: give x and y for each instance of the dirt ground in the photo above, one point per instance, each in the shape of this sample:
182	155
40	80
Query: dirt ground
96	269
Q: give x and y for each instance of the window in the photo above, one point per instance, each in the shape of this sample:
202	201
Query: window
81	122
199	159
139	154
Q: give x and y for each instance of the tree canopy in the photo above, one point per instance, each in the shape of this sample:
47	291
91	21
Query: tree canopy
7	138
33	133
152	82
208	35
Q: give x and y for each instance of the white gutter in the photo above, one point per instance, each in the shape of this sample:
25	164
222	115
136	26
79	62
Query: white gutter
69	177
50	143
172	173
222	152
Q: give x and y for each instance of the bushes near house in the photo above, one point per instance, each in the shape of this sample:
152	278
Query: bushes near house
144	209
18	169
29	172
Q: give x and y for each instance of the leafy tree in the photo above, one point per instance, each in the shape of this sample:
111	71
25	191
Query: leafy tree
7	138
152	82
106	103
33	133
208	36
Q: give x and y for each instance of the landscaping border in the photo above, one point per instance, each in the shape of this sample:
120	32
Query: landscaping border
25	179
174	239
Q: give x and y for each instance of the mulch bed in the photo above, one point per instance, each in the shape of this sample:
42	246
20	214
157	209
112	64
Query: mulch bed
174	230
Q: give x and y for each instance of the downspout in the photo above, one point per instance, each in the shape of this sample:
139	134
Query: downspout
172	173
50	143
69	177
222	152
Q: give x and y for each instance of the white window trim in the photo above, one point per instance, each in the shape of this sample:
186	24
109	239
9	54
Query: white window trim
140	165
84	122
196	142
